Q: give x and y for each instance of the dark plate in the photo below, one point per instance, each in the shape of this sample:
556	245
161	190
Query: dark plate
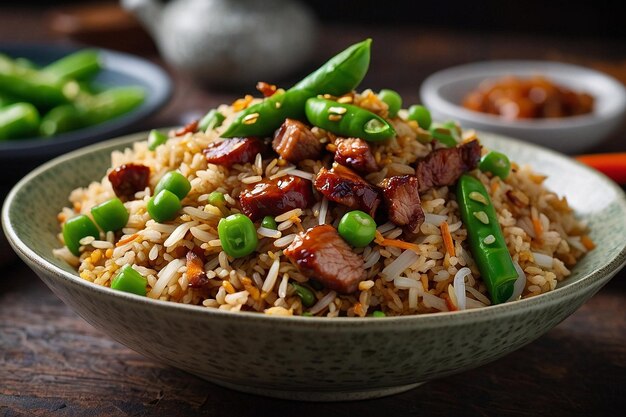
120	69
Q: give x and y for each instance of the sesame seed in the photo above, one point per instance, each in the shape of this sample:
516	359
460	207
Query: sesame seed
344	99
482	216
476	196
334	117
489	239
278	104
337	110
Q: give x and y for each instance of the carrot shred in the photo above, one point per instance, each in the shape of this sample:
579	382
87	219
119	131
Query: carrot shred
228	287
538	227
587	242
380	240
447	238
128	239
296	220
494	186
424	279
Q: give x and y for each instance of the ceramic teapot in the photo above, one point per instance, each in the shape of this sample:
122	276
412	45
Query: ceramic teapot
229	42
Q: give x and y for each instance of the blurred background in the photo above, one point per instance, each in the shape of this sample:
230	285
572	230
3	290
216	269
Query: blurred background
411	40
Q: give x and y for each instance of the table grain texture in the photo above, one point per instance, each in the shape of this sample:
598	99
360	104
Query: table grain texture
54	363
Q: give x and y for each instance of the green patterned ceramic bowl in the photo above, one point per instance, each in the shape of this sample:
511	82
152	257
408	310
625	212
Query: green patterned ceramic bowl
315	358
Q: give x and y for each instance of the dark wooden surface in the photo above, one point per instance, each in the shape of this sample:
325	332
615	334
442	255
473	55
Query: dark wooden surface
54	363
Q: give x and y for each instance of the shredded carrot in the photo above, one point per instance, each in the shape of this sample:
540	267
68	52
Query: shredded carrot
296	220
538	227
228	287
449	302
252	290
128	239
358	310
424	278
242	103
379	239
108	253
587	242
447	238
494	186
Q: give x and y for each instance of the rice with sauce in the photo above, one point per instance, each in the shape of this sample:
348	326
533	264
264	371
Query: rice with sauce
433	273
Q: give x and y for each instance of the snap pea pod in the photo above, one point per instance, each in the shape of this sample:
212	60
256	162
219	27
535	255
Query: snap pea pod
339	75
78	66
342	73
347	120
63	118
264	118
212	120
486	240
19	120
27	84
6	99
110	104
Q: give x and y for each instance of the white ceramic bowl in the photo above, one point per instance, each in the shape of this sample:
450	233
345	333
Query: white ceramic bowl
443	92
314	358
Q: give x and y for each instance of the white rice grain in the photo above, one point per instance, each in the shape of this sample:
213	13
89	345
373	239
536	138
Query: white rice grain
272	276
297	212
323	210
543	260
284	241
271	233
399	265
459	287
179	233
282	288
166	275
323	302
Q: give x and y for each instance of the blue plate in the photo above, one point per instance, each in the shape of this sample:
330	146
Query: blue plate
119	69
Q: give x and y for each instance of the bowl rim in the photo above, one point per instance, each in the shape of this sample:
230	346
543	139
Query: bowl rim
431	97
424	320
115	61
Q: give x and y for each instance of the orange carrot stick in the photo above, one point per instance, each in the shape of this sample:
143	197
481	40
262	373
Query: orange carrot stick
613	165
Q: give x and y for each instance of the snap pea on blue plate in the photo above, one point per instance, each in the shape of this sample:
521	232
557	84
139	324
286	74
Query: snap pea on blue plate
59	97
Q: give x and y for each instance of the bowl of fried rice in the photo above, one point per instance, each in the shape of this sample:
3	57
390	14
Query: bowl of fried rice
322	243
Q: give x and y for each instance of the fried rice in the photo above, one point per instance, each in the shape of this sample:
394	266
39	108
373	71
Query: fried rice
542	234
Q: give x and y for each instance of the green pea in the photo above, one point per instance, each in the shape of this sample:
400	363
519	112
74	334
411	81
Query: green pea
77	228
357	228
175	182
497	163
421	115
110	215
163	206
238	235
217	199
446	133
129	280
393	101
156	139
269	223
213	119
307	314
306	295
378	313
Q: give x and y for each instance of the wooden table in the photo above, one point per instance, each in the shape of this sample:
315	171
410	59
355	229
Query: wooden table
54	363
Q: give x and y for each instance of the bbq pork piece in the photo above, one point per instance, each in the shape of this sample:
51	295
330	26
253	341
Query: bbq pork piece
403	203
355	153
445	166
274	197
128	179
322	254
233	151
294	142
342	185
